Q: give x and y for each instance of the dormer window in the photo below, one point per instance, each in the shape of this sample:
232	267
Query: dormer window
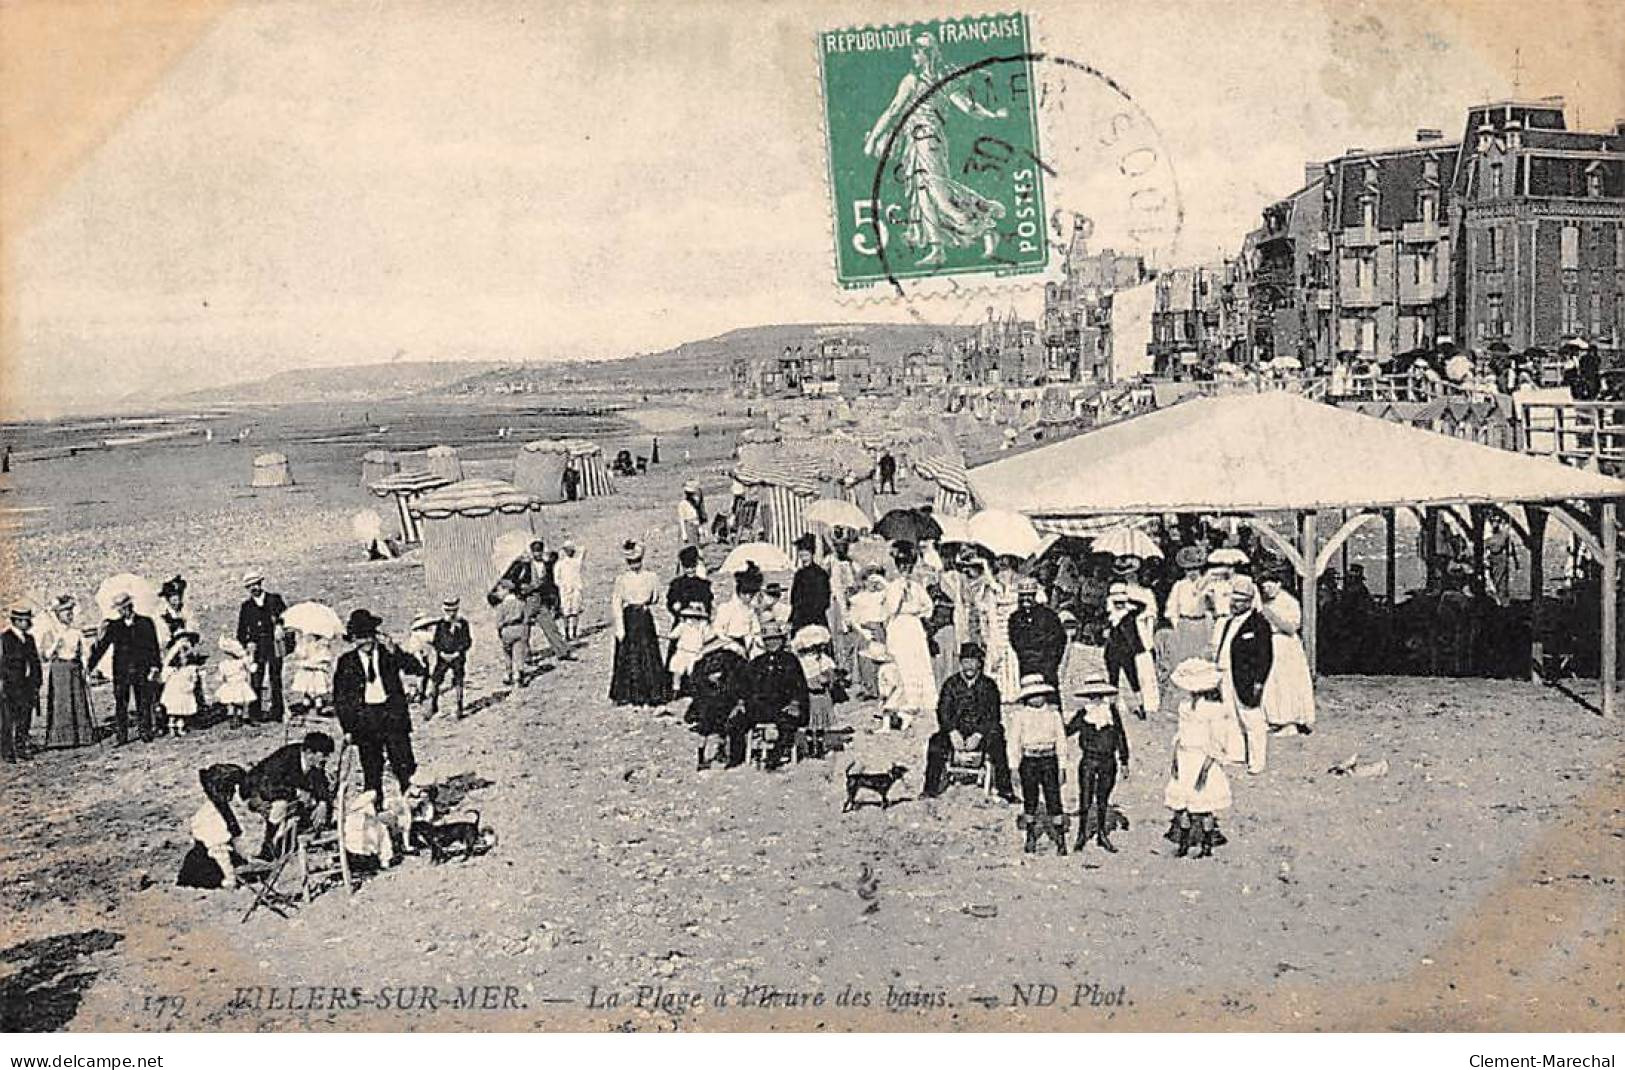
1594	181
1430	170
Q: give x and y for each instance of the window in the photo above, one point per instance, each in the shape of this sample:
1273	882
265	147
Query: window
1365	270
1594	183
1368	211
1596	314
1368	336
1619	246
1571	247
1422	267
1571	312
1494	315
1492	244
1495	180
1427	206
1430	169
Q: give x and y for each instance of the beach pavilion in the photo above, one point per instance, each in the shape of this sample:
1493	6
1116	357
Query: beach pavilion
1253	455
460	525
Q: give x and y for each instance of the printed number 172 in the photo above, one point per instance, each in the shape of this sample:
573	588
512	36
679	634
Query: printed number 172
161	1007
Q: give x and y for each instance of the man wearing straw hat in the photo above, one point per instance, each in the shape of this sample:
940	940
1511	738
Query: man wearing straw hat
259	629
137	660
451	642
20	678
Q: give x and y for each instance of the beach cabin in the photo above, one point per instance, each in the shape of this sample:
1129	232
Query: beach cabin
953	493
460	524
406	488
444	462
539	469
271	470
755	443
378	464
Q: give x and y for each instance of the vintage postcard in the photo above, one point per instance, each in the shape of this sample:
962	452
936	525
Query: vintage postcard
822	517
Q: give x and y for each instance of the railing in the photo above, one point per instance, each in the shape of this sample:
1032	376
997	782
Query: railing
1404	387
1588	434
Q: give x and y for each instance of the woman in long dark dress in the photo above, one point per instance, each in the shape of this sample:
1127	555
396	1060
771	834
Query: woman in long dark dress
640	677
69	721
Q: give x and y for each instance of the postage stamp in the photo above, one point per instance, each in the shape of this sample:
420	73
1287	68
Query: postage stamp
933	150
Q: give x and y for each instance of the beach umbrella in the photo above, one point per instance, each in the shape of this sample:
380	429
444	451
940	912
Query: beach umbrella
764	555
1126	542
313	618
509	547
837	514
143	593
368	526
1458	368
908	525
1005	532
954	528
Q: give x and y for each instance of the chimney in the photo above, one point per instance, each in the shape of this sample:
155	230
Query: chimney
1312	172
1428	133
1514	132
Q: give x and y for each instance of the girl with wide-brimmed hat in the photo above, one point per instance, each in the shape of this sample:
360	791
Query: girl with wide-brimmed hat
1198	789
1034	738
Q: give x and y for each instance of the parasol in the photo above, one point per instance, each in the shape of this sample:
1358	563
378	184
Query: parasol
144	594
1228	555
368	526
424	622
837	513
1005	532
1458	369
908	525
1287	364
764	555
510	547
954	529
1126	542
313	618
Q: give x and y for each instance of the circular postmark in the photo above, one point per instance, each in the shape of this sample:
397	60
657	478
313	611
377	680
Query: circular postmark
1094	176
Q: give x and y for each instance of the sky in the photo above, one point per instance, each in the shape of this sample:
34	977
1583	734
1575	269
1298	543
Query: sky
332	183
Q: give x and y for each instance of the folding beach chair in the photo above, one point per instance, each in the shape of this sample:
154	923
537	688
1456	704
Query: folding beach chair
304	860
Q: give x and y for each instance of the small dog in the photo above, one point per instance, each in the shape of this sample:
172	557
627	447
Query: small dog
442	839
879	783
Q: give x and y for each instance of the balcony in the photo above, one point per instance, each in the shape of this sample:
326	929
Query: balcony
1361	297
1419	293
1421	231
1361	237
1321	299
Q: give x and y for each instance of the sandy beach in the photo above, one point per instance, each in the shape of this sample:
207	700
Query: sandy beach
1477	885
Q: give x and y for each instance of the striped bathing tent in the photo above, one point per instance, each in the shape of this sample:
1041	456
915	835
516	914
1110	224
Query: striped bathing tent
954	496
460	524
757	443
271	470
782	488
539	468
406	488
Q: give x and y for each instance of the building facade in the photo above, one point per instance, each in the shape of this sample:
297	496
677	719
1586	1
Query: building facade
1188	320
1077	310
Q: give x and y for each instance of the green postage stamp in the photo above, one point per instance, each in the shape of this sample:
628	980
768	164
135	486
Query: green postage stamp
934	162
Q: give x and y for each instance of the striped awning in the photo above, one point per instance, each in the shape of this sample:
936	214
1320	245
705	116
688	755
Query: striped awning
1084	527
948	472
574	447
474	497
405	483
798	475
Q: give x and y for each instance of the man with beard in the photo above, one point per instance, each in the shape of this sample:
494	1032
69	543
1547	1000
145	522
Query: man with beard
775	692
1036	634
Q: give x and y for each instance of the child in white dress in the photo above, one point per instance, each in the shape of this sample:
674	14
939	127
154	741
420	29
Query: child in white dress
180	678
312	659
236	691
567	575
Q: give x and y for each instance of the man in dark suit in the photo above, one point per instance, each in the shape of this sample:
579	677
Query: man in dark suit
137	660
775	692
809	590
259	629
370	702
968	720
532	579
1246	652
291	782
451	641
20	678
1036	634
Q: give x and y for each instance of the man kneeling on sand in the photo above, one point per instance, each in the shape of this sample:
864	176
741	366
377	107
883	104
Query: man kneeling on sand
291	785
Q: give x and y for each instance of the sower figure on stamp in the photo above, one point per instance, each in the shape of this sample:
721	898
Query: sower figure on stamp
137	661
20	679
259	629
452	640
370	702
968	720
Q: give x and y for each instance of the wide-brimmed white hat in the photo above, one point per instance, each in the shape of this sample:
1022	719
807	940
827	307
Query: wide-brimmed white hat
251	578
1095	687
810	636
1195	675
1033	686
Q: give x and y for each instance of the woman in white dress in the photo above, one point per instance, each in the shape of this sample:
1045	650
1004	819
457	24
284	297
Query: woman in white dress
1198	791
907	606
567	574
1289	691
999	603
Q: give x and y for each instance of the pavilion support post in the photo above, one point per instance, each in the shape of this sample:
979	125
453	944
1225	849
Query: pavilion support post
1430	545
1478	512
1343	564
1537	587
1608	522
1389	583
1309	550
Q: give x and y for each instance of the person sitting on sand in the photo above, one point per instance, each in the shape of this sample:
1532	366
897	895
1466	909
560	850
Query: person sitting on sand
219	844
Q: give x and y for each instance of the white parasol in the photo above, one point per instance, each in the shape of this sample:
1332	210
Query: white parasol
1005	532
1458	369
509	547
1228	555
368	526
764	555
144	594
313	618
1126	542
954	528
837	513
1287	364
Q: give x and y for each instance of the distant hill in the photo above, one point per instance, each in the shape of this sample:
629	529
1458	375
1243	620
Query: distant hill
705	363
349	382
